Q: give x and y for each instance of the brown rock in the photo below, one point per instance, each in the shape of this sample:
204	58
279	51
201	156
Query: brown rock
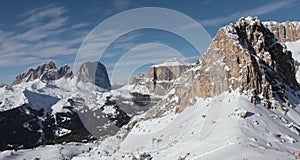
47	71
161	75
285	31
37	73
245	57
95	73
65	71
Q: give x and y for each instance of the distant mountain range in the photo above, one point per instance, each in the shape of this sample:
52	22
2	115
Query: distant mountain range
240	100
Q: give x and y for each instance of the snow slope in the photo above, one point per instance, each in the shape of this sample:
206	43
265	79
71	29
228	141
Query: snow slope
211	129
295	48
51	152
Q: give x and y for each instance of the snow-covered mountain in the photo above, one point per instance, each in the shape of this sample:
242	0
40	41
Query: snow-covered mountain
47	71
49	105
240	101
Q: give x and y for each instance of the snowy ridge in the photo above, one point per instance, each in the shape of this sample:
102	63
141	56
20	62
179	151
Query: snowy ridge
223	126
213	128
173	62
263	134
295	48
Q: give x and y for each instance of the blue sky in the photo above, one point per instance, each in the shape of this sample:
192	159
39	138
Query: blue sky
33	32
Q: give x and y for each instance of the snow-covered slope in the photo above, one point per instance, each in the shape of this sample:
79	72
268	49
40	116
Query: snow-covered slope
42	94
295	48
253	116
251	110
58	110
211	129
57	152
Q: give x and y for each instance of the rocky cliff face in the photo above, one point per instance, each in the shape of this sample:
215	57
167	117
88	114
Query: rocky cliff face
285	31
65	71
244	56
47	71
169	70
94	72
162	75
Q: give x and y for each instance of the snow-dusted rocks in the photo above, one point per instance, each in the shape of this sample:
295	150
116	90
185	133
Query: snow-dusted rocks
169	70
95	73
47	71
206	114
255	64
163	75
285	31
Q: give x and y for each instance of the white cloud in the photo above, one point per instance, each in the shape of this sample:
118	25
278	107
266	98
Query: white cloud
38	15
44	33
267	8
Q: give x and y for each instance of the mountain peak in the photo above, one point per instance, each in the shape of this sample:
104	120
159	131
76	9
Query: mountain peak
47	71
246	57
95	73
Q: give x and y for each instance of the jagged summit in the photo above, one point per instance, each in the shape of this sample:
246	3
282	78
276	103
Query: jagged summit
93	72
47	71
247	57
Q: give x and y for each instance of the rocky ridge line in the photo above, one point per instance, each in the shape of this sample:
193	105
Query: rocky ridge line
245	56
47	71
285	31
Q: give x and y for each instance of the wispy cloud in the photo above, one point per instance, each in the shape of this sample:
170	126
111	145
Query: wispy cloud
264	9
121	4
43	33
36	16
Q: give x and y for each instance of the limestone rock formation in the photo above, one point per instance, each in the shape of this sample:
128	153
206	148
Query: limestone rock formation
47	71
169	70
163	75
94	72
65	71
246	57
285	31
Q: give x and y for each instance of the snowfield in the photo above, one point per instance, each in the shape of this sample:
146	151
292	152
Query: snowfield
295	48
211	129
224	127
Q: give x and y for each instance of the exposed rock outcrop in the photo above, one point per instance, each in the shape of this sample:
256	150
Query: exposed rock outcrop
47	71
285	31
95	73
65	71
21	128
244	56
169	70
162	76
